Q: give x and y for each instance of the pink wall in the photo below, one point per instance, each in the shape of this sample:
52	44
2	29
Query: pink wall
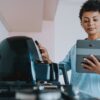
45	37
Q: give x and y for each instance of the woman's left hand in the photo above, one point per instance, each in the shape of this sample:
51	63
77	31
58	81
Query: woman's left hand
92	65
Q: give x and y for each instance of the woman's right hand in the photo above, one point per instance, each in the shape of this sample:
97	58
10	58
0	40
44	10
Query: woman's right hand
44	53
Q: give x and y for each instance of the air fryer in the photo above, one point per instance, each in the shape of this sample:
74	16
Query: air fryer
15	62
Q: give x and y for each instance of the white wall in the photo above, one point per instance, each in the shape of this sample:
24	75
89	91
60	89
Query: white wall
67	28
3	32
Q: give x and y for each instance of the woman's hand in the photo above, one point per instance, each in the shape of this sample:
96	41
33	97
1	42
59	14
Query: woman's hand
44	53
92	65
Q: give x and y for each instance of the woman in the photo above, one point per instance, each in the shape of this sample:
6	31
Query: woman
88	82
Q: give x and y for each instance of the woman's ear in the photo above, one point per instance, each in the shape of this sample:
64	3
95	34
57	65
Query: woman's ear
81	23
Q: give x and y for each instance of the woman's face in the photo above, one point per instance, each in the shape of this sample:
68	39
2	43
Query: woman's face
91	22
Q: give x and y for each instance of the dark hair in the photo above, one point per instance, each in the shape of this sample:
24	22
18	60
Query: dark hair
89	5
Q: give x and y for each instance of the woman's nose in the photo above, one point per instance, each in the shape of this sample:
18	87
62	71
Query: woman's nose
91	22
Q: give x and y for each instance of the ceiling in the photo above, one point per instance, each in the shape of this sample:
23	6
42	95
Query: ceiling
26	15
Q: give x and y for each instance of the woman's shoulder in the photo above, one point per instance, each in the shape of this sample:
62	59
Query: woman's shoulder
73	46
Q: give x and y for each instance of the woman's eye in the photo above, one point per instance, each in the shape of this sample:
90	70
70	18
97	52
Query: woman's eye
85	21
95	19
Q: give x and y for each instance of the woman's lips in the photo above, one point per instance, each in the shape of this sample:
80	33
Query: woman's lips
91	29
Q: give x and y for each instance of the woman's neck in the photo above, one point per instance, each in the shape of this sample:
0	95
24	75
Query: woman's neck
93	37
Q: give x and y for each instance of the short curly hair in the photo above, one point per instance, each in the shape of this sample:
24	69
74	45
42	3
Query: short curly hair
89	5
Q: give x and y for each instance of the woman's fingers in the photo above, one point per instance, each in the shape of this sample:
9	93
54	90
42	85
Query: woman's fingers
87	67
89	62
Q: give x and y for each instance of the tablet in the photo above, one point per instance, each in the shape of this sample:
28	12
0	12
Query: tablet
85	48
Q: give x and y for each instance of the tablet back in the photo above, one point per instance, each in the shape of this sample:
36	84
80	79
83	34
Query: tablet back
85	48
